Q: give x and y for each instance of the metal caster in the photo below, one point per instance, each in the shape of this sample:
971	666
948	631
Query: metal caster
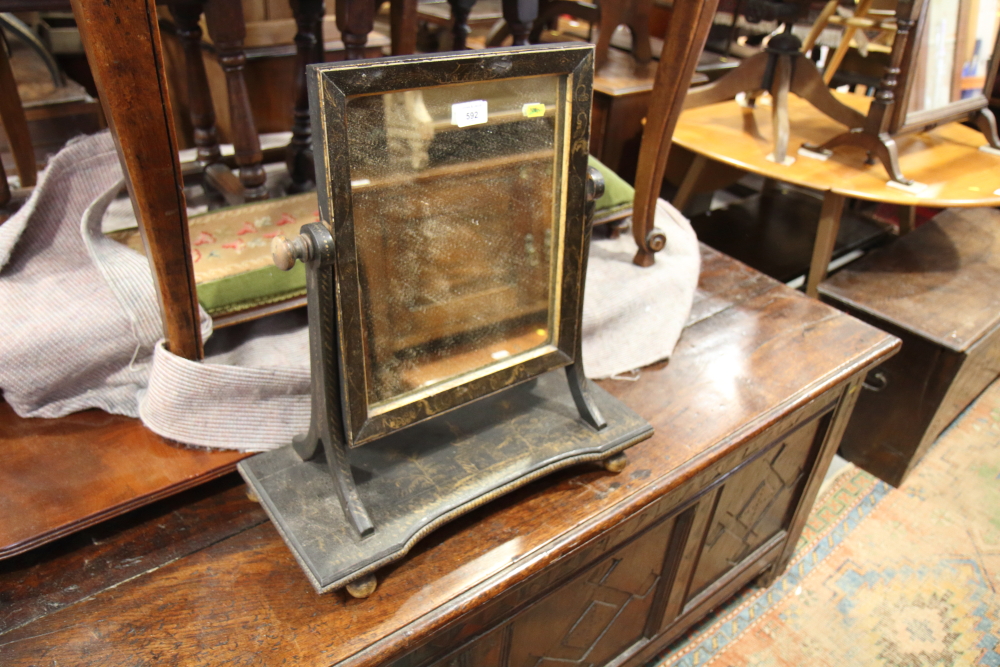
363	587
615	463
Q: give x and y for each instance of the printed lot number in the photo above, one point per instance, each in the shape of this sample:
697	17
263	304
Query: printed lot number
464	114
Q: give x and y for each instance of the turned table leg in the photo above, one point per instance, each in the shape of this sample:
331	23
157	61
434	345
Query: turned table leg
520	15
309	49
228	30
355	19
15	124
186	15
460	10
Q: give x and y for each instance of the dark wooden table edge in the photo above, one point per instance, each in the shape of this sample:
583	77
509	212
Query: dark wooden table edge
41	539
396	644
827	291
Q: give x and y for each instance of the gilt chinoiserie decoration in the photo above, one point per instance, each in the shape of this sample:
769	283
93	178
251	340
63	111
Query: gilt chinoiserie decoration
445	289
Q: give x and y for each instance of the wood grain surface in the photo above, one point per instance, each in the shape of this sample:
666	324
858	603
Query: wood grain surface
754	352
940	282
935	288
947	159
61	475
71	569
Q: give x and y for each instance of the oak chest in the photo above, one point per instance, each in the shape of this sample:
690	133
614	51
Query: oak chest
581	568
938	289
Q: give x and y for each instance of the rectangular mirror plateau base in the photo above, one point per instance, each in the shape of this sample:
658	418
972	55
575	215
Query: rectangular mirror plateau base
418	479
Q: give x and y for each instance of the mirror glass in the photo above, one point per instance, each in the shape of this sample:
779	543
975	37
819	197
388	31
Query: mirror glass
953	54
457	203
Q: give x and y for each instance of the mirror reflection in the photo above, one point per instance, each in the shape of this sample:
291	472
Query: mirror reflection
457	215
954	52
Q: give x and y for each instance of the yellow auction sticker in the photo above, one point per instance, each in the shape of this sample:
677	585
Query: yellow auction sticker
534	110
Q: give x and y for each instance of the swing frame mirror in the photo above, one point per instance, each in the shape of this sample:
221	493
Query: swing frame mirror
332	87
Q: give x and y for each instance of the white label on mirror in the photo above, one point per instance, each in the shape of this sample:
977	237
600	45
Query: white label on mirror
465	114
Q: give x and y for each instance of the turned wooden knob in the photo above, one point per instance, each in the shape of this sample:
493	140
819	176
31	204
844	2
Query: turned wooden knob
284	252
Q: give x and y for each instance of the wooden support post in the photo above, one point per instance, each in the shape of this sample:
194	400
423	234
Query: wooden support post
186	16
228	29
15	125
309	49
122	42
403	26
779	107
355	19
826	237
907	219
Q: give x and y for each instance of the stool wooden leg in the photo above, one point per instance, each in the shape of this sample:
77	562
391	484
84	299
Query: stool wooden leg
460	10
186	15
826	237
690	182
355	19
403	26
309	49
133	91
15	124
907	219
779	108
520	15
228	30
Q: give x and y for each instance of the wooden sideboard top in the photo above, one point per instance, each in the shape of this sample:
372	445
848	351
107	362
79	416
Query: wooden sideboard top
209	581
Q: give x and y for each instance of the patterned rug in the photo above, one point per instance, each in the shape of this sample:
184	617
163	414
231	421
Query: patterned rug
904	577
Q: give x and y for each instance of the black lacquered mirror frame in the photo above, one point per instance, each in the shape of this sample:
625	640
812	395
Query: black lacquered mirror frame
330	88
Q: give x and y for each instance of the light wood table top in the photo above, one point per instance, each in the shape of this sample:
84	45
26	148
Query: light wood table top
946	159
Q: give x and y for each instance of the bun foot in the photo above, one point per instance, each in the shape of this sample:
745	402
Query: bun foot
363	587
615	463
